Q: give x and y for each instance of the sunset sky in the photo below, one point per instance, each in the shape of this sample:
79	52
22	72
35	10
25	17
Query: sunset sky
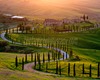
50	8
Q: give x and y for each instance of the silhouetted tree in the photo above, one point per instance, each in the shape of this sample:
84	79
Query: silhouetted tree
68	69
90	74
43	58
22	63
56	67
16	61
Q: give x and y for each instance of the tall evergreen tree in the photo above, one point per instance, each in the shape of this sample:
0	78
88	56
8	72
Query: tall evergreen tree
56	67
16	61
22	63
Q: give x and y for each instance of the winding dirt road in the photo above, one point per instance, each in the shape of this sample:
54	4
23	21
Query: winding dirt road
29	66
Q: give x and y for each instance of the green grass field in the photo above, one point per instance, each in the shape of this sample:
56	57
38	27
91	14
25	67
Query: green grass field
9	72
84	44
64	68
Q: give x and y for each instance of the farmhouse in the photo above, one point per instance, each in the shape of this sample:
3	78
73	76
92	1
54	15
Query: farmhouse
20	18
11	18
52	22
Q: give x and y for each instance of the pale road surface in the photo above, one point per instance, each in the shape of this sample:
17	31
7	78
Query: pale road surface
29	66
3	37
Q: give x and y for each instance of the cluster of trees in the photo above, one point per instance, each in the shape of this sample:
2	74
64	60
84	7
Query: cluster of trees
3	45
28	28
85	17
74	28
25	27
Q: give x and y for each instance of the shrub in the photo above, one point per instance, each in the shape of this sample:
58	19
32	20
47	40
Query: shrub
77	58
3	43
7	48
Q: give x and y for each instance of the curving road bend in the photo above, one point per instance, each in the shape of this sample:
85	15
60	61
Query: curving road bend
5	39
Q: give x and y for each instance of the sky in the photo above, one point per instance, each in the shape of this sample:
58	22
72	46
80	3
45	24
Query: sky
50	8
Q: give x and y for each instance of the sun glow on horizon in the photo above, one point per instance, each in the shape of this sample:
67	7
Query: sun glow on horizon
49	8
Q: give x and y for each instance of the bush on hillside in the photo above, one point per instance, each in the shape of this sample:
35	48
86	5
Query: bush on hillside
2	45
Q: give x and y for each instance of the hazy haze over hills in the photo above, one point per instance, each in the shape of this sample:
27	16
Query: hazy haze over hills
50	8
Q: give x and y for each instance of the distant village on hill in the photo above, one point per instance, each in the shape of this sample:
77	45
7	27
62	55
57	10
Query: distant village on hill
59	25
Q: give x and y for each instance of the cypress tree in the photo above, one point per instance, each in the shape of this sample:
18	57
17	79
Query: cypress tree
37	57
49	45
74	71
16	61
43	58
6	31
66	55
68	69
22	63
39	61
71	54
63	56
56	67
83	68
90	70
46	67
98	70
48	57
59	55
31	57
60	69
35	61
13	30
84	17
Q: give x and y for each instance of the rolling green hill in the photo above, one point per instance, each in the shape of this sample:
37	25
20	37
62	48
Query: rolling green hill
87	48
